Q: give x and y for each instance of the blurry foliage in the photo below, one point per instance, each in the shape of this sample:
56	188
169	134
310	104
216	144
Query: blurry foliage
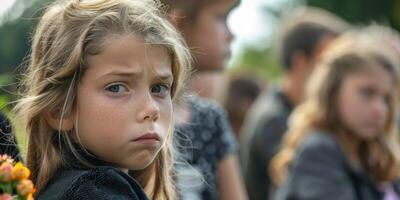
5	84
262	62
15	39
16	34
363	11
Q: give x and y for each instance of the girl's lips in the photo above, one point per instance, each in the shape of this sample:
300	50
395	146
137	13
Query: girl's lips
148	136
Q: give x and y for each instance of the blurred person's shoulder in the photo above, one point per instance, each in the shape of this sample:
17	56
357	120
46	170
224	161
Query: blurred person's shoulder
320	143
264	124
271	108
208	116
202	106
316	138
276	105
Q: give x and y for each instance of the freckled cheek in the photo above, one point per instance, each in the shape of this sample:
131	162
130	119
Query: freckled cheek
100	111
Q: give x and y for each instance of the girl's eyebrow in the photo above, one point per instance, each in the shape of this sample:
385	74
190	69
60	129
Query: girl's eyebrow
121	73
165	76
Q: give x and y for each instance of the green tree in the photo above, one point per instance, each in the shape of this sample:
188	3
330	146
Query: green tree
15	34
363	11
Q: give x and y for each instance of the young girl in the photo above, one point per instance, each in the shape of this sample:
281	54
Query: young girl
98	101
203	131
342	141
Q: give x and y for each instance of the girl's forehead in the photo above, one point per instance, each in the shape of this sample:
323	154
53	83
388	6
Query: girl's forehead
375	76
132	46
130	54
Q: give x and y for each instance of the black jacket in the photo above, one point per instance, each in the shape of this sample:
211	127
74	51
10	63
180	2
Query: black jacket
320	170
100	183
264	144
73	181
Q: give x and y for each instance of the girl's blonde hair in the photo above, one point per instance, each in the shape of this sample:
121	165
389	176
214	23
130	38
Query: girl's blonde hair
66	35
350	53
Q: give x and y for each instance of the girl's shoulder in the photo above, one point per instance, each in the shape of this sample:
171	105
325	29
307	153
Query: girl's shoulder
98	183
320	139
320	145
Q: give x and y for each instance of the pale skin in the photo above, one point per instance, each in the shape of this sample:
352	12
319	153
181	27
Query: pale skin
123	95
363	101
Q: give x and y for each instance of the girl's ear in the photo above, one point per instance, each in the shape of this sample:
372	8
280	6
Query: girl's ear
55	121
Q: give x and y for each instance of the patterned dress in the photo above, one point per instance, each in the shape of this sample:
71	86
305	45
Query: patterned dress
202	144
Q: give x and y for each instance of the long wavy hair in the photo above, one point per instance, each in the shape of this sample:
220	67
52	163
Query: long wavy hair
350	53
67	33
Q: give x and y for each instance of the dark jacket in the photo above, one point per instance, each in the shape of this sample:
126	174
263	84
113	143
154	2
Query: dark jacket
266	136
97	184
320	170
73	181
8	144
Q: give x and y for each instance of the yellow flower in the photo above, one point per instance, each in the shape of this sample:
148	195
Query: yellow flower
30	196
20	172
25	188
6	172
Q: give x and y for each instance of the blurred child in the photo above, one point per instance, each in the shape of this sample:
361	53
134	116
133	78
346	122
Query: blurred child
98	102
203	131
342	141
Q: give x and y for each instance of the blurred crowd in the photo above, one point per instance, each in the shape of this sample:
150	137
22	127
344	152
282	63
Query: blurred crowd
328	129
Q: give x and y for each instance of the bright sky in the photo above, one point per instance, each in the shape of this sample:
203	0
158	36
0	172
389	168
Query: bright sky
5	4
248	22
251	25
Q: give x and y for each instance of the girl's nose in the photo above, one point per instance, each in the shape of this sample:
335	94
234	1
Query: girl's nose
150	110
229	36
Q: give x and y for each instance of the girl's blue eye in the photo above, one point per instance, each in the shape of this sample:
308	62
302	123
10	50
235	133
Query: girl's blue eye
117	88
161	90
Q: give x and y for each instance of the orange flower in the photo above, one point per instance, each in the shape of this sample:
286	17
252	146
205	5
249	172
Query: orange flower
6	197
25	187
6	172
20	172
